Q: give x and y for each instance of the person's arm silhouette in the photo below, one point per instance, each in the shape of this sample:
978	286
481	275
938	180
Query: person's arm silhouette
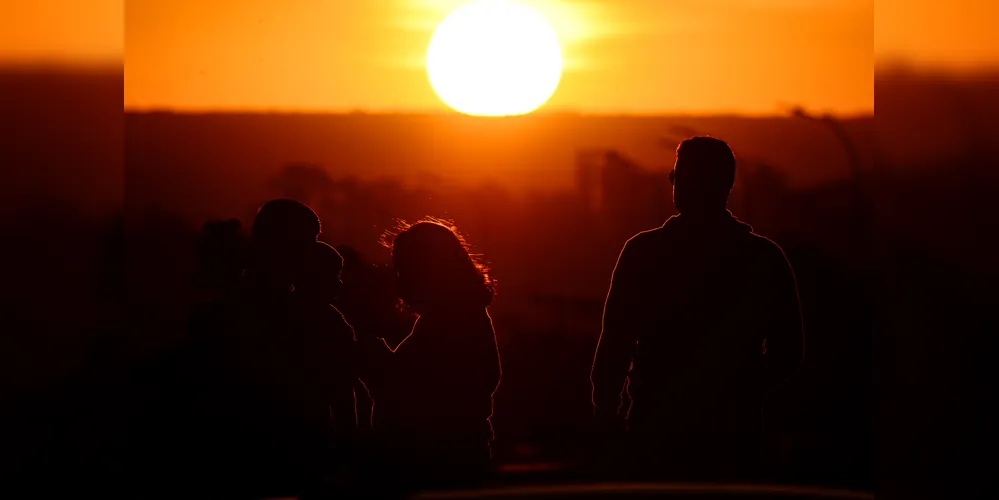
622	323
344	368
783	346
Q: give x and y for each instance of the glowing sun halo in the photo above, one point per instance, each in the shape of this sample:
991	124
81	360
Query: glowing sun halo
494	58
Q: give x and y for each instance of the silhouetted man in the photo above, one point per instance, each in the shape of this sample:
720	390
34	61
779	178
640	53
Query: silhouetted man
272	365
702	317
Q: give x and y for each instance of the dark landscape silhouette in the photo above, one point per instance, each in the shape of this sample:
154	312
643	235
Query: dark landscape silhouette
106	277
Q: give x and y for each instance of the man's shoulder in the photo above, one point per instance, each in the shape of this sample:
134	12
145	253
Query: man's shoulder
766	254
647	239
764	246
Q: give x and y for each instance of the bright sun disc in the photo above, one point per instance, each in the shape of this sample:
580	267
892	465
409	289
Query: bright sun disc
494	58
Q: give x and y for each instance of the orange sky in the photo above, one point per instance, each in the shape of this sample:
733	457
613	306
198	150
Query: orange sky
956	35
69	32
638	56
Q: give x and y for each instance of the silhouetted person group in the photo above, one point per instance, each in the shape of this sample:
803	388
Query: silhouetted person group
285	398
273	364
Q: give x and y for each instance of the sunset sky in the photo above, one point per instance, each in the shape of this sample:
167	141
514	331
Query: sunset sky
622	56
636	56
65	32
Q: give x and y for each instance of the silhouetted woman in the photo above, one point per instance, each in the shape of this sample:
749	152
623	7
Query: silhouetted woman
433	401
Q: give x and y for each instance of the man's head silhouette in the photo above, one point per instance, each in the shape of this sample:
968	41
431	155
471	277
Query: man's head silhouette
285	222
284	234
703	176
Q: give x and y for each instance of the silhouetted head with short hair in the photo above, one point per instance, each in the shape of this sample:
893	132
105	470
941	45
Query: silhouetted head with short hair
285	222
703	176
284	234
435	270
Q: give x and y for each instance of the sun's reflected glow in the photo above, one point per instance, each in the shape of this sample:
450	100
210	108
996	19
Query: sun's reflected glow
494	58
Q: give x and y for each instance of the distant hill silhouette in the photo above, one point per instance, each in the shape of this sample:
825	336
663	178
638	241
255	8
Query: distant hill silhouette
166	151
62	137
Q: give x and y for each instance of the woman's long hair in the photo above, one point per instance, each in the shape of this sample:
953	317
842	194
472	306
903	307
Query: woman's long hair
434	268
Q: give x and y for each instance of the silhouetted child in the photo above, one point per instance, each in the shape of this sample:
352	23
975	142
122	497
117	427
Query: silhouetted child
433	398
336	355
368	299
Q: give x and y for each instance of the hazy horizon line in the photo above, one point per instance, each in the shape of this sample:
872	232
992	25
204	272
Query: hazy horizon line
454	114
68	67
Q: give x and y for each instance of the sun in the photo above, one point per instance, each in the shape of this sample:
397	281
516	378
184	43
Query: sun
494	58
